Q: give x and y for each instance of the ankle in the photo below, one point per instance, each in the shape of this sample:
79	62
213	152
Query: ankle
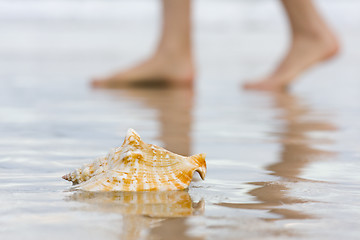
323	40
174	56
174	48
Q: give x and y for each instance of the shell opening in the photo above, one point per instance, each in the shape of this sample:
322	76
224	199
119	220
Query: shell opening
199	161
201	172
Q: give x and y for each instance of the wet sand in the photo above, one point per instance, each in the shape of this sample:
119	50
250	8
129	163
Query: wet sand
280	166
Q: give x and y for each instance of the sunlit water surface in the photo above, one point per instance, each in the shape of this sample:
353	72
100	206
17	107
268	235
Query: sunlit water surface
280	166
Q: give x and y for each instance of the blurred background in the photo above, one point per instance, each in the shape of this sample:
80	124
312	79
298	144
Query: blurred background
279	166
89	38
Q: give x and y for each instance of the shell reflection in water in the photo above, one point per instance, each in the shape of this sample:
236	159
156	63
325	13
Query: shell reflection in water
137	166
154	204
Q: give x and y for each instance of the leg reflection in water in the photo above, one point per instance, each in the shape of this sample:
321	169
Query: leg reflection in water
174	111
297	152
174	107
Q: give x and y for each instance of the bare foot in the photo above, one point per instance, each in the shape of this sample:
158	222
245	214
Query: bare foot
305	51
159	70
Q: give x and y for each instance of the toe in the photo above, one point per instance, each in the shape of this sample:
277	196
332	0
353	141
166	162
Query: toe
102	83
97	82
251	85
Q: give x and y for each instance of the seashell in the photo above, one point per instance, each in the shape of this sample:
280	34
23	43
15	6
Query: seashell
137	166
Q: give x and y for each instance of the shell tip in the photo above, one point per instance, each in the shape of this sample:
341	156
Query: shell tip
66	177
130	132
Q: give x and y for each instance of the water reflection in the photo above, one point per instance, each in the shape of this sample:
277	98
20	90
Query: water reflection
167	210
152	204
174	108
298	151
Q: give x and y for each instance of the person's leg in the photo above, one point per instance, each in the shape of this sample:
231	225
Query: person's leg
312	42
172	62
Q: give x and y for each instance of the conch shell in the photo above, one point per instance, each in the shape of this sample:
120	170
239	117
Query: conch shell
137	166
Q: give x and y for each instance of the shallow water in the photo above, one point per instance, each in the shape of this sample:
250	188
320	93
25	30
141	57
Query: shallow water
280	166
